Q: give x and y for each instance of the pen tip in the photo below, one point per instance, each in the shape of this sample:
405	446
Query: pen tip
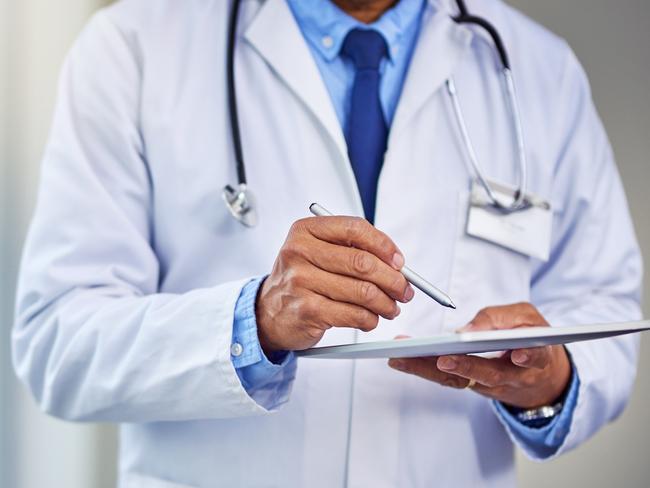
452	305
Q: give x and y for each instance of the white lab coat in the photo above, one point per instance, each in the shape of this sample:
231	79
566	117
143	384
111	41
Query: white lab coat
133	265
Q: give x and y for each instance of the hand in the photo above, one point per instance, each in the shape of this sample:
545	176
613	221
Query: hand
525	378
330	272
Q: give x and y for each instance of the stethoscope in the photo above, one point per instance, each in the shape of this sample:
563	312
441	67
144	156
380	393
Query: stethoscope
240	200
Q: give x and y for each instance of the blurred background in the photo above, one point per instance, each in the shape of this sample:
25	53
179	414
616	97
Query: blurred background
611	38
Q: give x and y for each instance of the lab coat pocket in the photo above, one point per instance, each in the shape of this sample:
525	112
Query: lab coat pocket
136	480
483	273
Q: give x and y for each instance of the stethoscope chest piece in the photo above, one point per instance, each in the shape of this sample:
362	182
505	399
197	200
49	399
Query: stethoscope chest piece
241	204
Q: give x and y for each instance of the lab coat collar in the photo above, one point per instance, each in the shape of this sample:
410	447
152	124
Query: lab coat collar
440	45
276	36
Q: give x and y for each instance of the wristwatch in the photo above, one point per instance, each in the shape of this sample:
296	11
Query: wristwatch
538	417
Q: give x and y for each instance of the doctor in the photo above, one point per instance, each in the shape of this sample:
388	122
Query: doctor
143	302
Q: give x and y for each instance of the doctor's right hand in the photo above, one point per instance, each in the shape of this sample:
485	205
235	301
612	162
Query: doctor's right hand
330	272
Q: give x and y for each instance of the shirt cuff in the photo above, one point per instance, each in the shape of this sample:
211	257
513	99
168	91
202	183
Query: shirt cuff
544	441
266	380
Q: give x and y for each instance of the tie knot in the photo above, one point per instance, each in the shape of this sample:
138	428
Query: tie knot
365	47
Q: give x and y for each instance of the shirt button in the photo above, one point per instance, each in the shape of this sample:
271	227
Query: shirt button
236	349
327	41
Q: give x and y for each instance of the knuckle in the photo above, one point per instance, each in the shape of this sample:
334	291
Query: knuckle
488	317
293	278
536	316
463	368
399	285
355	227
386	243
309	309
484	315
298	226
528	381
291	250
527	314
367	321
314	333
453	382
367	291
542	358
494	378
527	306
488	312
362	263
286	252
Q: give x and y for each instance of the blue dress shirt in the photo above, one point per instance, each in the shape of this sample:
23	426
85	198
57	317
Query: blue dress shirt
259	375
325	26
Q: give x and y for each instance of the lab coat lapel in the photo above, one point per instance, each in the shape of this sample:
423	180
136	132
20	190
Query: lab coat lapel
440	45
276	36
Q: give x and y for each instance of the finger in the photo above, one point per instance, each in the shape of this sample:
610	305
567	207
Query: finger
535	357
358	264
350	290
487	372
356	232
327	313
505	317
426	368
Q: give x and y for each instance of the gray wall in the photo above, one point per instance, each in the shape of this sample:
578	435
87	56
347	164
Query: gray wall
612	38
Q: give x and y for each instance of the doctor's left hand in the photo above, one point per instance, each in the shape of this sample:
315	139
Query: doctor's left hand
524	378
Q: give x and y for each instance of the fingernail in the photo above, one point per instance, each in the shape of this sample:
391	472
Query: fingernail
447	363
409	293
520	357
398	261
397	364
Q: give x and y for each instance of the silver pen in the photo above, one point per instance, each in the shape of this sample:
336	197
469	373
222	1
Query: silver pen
411	276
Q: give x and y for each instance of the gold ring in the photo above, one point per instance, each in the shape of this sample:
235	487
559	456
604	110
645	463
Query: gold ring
471	384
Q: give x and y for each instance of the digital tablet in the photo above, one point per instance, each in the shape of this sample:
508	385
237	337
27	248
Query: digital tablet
475	342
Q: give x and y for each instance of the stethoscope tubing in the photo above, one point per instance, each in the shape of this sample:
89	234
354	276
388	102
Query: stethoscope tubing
232	94
240	200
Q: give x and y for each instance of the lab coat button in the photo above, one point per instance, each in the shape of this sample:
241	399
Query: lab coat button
236	349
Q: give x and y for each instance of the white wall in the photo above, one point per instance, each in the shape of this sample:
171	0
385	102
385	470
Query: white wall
612	38
37	450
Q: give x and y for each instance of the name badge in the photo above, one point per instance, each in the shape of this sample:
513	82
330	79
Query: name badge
526	231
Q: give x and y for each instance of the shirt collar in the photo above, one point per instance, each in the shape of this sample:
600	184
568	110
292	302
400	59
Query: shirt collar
325	26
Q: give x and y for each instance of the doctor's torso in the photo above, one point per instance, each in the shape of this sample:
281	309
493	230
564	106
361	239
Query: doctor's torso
354	424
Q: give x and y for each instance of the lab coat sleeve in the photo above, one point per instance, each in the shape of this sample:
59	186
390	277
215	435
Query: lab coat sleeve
93	338
547	439
595	270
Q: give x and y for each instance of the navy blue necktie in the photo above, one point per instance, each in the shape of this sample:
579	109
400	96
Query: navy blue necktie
367	131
